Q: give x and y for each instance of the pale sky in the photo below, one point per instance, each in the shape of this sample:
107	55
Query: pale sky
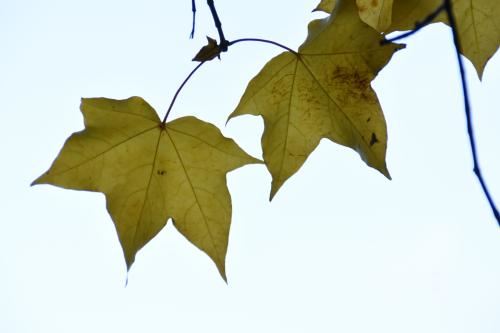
340	248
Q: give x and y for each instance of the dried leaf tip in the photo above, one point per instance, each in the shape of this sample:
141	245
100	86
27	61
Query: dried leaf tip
208	52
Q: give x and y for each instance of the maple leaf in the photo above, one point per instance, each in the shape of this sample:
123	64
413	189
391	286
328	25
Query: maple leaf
376	13
477	24
323	91
150	172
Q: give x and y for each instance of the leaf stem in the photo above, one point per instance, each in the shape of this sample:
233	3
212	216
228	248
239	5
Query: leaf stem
179	90
477	171
261	41
201	63
224	43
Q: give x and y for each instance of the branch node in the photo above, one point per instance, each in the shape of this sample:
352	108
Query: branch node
223	42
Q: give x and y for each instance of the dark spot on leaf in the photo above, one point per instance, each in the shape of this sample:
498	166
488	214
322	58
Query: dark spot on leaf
281	89
368	120
373	140
160	172
351	84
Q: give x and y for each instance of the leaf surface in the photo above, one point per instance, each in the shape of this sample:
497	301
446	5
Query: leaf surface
323	91
376	13
478	23
150	172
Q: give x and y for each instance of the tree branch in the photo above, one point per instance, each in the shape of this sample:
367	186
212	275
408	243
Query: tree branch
193	8
223	43
451	18
447	7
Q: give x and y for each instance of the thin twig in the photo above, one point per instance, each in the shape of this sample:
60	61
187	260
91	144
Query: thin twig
446	7
223	42
227	43
418	26
193	8
179	90
451	18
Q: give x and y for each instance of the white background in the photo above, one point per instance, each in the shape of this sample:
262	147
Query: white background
340	248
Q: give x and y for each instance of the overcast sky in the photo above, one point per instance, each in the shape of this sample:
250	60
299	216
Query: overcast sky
340	248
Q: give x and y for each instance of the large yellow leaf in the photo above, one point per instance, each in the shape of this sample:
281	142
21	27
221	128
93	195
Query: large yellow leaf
150	172
321	92
478	23
376	13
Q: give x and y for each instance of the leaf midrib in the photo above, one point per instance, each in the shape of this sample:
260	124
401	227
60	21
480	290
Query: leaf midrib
205	220
338	107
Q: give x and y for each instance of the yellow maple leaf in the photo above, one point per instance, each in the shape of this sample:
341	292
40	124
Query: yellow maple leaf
478	24
323	91
150	172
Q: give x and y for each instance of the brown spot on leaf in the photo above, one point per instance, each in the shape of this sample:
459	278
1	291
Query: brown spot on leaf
160	172
373	140
281	89
351	84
